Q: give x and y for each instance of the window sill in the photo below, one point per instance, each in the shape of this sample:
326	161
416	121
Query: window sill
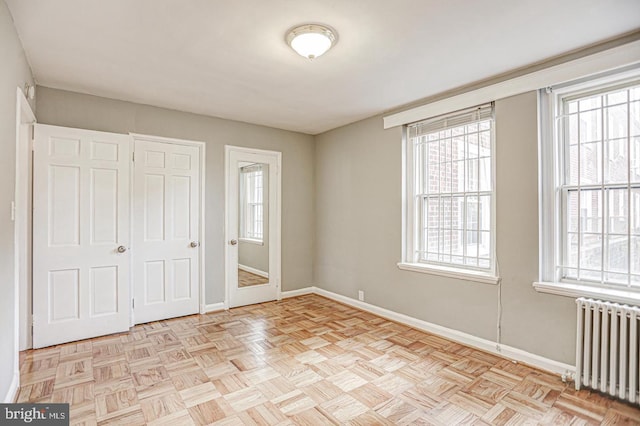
251	241
578	290
443	271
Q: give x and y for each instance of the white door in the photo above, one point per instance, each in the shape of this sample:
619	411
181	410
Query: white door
81	234
166	272
252	226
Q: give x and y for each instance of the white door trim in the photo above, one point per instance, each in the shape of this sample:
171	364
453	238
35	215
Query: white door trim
202	148
22	302
277	238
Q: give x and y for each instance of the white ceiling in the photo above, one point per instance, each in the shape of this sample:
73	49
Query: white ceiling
229	59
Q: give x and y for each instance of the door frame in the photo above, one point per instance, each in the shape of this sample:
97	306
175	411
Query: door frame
201	236
277	217
22	242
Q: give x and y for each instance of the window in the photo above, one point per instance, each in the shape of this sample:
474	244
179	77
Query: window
591	185
251	203
449	223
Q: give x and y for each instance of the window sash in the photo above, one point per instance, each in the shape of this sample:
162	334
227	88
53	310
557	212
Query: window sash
600	250
435	238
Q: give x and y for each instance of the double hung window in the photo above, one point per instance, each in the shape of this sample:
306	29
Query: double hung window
592	196
449	221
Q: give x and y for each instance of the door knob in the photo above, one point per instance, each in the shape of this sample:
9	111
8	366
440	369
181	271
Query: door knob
122	249
233	242
194	244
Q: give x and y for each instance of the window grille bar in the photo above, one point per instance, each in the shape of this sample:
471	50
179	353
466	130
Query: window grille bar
629	218
604	197
579	177
478	234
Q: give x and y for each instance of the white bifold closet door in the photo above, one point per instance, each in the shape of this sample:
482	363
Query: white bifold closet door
166	227
81	216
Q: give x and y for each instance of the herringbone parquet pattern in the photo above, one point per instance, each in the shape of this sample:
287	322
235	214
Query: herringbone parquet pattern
306	361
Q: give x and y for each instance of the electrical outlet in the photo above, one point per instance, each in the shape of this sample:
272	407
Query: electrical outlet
361	295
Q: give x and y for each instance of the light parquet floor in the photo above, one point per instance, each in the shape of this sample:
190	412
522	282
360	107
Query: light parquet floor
247	279
303	361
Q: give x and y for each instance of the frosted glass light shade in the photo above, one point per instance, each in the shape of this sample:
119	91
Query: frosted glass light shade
311	40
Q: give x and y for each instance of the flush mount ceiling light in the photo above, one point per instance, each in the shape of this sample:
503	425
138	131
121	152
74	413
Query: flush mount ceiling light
311	40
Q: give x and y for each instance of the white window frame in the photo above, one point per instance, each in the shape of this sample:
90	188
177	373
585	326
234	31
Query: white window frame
550	162
245	206
411	222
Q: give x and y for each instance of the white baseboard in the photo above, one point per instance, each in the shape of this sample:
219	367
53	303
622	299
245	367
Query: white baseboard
298	292
506	351
14	387
254	271
214	307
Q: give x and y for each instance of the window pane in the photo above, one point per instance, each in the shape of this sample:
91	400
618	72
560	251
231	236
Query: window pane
618	211
590	103
457	213
635	212
484	213
457	169
471	261
570	273
472	175
616	161
572	213
572	250
484	246
635	118
457	146
591	211
457	247
485	144
472	243
472	146
573	165
590	126
433	165
635	160
618	253
484	180
618	97
591	252
472	213
572	130
445	209
635	255
617	122
590	163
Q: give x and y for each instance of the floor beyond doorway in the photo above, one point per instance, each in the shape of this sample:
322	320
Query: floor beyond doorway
306	360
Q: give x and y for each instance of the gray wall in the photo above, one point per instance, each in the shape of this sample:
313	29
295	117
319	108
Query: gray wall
358	228
14	72
70	109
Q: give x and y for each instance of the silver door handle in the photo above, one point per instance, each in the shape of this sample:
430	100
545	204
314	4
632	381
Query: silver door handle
122	249
194	244
233	242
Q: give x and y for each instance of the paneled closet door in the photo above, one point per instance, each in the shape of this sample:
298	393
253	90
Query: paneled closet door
166	196
81	220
